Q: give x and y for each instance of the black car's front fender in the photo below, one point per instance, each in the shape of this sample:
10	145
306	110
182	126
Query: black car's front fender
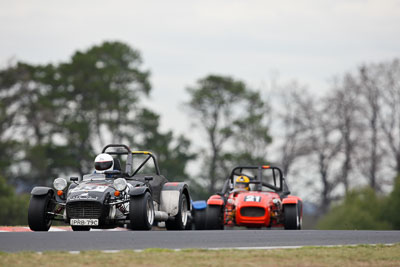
42	190
138	191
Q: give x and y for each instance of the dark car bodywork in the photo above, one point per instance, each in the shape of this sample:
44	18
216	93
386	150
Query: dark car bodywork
94	202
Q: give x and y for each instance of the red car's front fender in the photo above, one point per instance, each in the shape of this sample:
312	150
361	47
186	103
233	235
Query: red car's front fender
215	200
291	200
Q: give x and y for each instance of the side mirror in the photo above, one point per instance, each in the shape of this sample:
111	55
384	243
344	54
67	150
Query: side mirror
148	178
74	179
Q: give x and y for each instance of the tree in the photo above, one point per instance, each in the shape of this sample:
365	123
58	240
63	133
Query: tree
212	102
310	135
291	132
251	132
344	107
227	110
172	153
55	118
370	97
389	86
55	113
104	85
322	142
31	103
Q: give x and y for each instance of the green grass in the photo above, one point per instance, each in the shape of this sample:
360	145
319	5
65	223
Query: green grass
362	255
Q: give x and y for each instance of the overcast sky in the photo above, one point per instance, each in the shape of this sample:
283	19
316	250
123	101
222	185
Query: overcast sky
182	41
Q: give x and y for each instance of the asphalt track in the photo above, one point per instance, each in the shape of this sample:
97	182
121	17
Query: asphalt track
137	240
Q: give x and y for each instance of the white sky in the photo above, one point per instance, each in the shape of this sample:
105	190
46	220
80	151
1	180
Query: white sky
183	40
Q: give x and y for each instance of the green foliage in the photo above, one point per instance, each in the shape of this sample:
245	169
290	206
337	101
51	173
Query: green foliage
392	206
360	210
54	119
7	156
103	85
212	102
172	154
234	121
13	208
251	133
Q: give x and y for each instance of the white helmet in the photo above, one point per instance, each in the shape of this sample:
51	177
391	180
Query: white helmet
103	162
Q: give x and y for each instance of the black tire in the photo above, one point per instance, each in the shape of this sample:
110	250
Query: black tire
80	228
300	214
38	218
292	218
141	212
181	219
200	219
214	219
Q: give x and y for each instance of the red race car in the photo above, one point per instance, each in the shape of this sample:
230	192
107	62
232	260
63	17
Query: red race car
255	197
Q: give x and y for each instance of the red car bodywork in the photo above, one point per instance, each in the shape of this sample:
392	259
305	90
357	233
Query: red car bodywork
257	208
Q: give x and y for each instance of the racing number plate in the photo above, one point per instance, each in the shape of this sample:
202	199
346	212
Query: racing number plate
252	198
85	222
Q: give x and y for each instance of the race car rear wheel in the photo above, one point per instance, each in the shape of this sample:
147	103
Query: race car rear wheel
292	217
141	212
181	219
200	219
214	218
80	228
38	218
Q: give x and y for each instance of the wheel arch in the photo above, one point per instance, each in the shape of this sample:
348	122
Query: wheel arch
171	195
138	191
215	200
42	190
291	200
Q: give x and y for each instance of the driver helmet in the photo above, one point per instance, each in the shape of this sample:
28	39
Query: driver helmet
103	162
242	182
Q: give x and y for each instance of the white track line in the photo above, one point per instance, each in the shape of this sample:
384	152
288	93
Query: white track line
237	248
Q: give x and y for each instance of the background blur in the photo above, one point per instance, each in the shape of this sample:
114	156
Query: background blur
310	86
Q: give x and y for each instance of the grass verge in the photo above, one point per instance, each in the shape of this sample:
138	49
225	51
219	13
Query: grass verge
362	255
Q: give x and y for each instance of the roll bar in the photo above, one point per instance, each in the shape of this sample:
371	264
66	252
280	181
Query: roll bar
239	169
125	150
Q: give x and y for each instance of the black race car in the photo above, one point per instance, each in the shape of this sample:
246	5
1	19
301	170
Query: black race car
134	197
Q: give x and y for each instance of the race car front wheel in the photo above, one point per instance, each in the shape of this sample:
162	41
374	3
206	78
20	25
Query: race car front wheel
214	218
292	217
141	212
181	219
38	217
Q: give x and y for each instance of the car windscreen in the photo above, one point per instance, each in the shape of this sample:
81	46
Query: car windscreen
147	168
268	176
94	176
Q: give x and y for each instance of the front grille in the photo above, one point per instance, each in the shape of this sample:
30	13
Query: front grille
252	212
84	209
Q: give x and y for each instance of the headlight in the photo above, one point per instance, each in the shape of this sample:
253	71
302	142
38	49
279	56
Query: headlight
60	183
120	184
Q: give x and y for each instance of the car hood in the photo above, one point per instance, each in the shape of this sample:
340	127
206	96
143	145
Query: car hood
255	198
91	191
